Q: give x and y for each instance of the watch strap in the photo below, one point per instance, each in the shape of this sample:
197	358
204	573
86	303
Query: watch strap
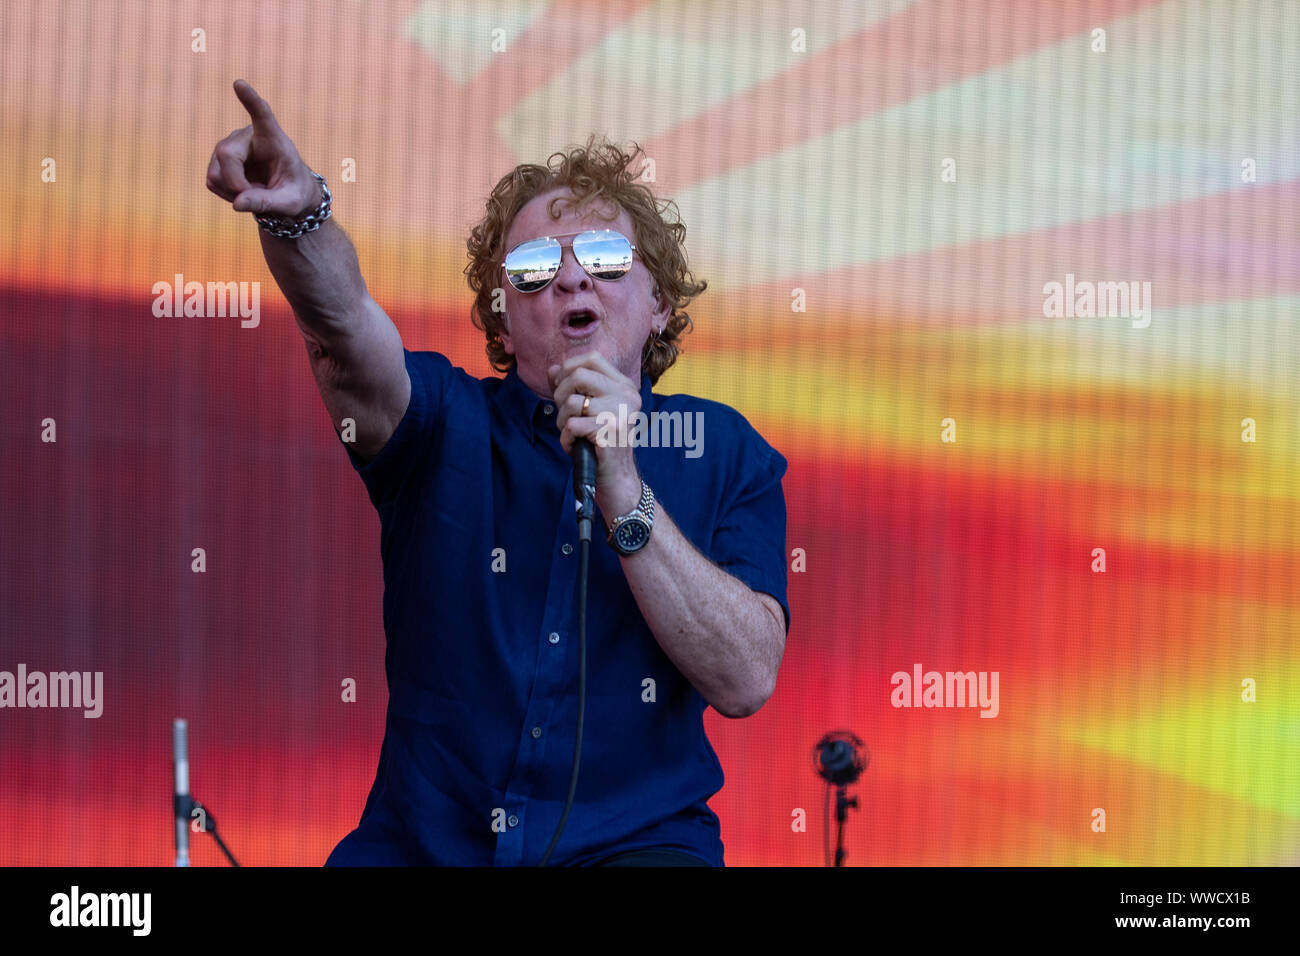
645	510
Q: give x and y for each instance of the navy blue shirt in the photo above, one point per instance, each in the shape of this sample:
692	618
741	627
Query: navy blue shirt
480	550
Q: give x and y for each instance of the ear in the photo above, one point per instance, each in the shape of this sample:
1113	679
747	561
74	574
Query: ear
505	334
663	311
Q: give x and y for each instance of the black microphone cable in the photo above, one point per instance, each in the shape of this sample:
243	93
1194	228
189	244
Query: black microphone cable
584	473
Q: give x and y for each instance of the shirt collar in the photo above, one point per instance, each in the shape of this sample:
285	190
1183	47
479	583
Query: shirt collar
533	414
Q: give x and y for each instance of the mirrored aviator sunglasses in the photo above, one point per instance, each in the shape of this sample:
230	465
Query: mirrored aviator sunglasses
604	253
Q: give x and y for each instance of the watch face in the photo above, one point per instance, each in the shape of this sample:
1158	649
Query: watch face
632	535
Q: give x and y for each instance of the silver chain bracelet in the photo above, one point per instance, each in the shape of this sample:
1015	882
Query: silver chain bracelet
283	228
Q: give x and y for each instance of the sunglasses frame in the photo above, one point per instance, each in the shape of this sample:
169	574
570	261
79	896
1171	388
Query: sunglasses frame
570	236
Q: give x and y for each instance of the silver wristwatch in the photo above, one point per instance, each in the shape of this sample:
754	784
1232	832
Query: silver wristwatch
629	533
283	228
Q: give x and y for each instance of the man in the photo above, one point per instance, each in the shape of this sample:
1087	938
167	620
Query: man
580	286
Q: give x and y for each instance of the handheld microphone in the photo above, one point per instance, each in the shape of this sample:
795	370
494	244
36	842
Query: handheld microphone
584	485
181	768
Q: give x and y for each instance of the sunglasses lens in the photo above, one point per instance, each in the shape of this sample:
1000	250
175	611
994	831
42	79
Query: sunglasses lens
605	254
531	265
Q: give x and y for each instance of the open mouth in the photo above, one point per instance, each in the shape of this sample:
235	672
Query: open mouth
580	321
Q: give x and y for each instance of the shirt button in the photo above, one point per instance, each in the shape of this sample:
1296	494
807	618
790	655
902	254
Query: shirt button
537	732
567	548
513	821
548	408
554	638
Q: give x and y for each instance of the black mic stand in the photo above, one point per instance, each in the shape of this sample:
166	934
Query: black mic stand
185	807
839	758
184	804
842	804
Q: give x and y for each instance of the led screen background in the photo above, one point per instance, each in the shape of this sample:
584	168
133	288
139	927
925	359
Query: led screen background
878	194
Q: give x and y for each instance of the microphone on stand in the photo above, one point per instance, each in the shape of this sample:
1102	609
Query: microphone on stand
839	758
184	806
181	801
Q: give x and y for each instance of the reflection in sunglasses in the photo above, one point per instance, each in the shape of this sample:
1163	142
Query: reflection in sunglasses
605	254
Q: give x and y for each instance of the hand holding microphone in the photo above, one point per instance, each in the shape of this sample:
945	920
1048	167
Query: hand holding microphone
584	387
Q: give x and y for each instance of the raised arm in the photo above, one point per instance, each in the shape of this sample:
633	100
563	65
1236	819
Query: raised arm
355	350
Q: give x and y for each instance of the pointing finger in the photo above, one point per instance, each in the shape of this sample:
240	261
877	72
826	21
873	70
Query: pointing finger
258	108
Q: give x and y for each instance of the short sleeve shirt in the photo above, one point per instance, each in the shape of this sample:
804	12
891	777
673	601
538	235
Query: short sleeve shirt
479	544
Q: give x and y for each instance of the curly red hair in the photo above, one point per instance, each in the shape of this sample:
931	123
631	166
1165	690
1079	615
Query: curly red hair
598	170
